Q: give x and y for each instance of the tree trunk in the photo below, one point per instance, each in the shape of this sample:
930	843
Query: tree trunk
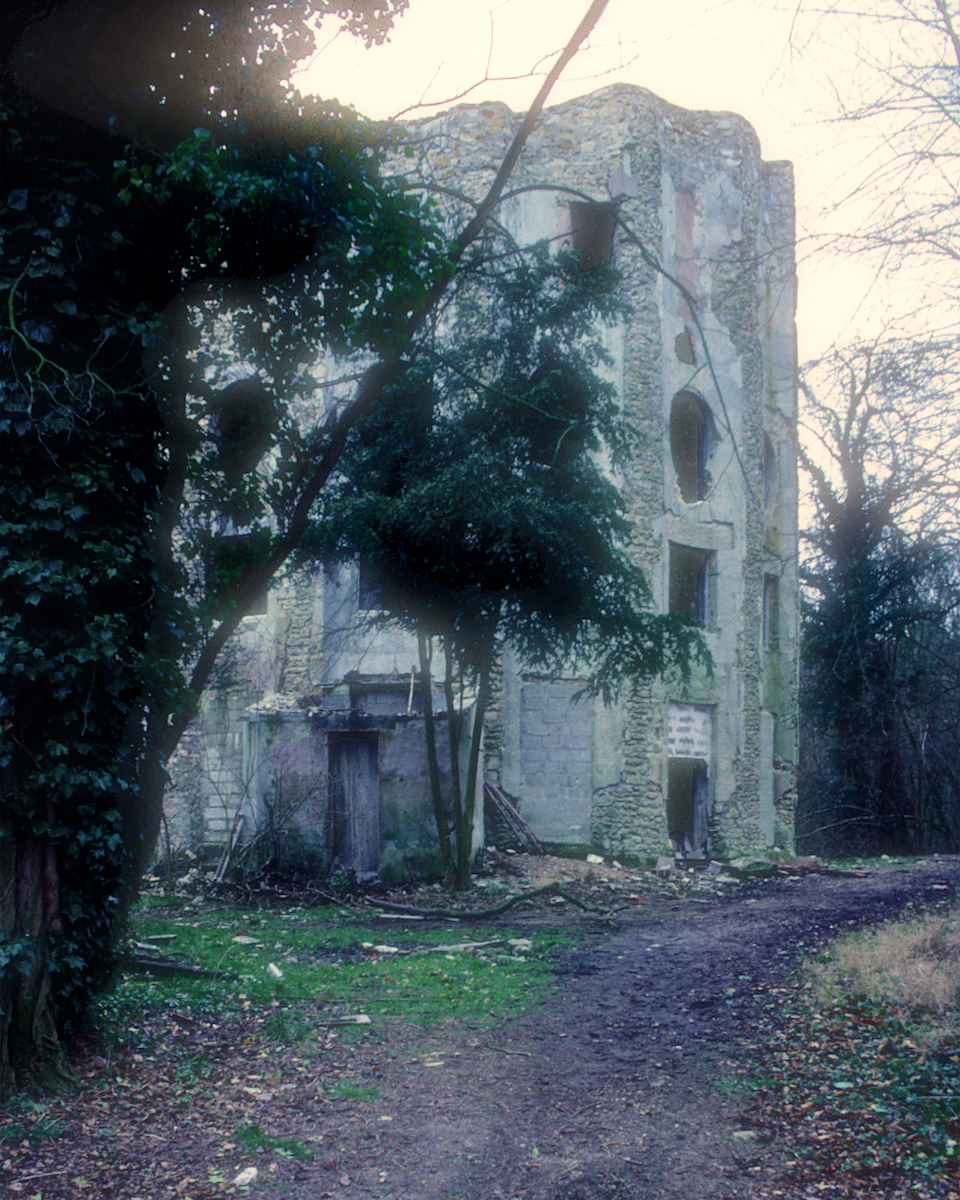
31	924
465	828
454	726
430	731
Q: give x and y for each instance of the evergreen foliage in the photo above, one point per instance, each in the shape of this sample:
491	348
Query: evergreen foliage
881	641
880	651
484	494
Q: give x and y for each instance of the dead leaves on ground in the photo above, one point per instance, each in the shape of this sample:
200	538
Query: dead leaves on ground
169	1123
858	1108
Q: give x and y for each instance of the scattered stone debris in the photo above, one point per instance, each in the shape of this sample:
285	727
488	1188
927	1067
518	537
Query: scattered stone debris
644	1018
507	878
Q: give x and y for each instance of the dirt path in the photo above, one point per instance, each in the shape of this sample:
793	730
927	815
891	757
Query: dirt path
616	1090
624	1085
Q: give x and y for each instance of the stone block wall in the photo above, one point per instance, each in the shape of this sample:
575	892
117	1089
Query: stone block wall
705	249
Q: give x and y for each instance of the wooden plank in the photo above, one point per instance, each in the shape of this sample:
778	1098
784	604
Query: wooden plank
528	839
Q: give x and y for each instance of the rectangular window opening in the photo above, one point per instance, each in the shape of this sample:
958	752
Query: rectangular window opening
771	612
692	584
229	556
370	586
592	226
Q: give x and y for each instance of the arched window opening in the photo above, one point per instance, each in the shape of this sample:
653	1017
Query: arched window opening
692	433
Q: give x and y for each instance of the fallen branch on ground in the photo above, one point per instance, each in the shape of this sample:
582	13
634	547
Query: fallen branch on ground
139	965
551	889
810	868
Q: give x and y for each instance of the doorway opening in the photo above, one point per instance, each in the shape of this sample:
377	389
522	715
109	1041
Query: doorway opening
353	815
687	784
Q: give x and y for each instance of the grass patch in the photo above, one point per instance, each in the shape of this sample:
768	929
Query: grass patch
913	967
867	1081
252	1138
332	964
289	1027
346	1089
25	1120
876	862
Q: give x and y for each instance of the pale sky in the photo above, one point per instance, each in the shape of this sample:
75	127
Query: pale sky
732	55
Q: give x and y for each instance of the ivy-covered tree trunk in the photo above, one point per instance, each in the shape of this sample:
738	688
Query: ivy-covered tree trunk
81	449
66	764
62	860
30	916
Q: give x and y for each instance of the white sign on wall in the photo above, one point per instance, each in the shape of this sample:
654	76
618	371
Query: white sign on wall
689	731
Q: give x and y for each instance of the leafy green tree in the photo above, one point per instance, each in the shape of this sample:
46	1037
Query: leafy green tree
137	204
101	428
483	494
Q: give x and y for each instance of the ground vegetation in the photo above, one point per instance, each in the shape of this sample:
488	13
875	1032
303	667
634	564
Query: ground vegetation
681	1044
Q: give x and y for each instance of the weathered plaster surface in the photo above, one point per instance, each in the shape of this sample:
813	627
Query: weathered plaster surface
716	321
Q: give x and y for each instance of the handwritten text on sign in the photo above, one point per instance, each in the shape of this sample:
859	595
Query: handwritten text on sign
688	731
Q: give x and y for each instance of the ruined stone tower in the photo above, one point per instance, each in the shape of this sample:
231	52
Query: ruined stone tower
702	232
707	368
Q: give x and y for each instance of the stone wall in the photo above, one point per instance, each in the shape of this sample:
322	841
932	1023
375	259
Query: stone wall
706	257
705	251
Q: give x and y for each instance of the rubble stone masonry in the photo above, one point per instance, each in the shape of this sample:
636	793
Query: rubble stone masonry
694	191
705	249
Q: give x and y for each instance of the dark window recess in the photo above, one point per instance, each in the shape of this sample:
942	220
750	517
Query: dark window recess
592	226
229	559
771	612
769	472
244	419
691	434
685	347
692	588
371	586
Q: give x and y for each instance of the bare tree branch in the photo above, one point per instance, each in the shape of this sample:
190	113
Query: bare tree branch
371	388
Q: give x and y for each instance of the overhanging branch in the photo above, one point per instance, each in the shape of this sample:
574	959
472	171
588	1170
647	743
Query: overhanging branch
371	388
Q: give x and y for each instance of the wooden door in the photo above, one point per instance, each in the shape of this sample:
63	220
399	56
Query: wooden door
354	835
